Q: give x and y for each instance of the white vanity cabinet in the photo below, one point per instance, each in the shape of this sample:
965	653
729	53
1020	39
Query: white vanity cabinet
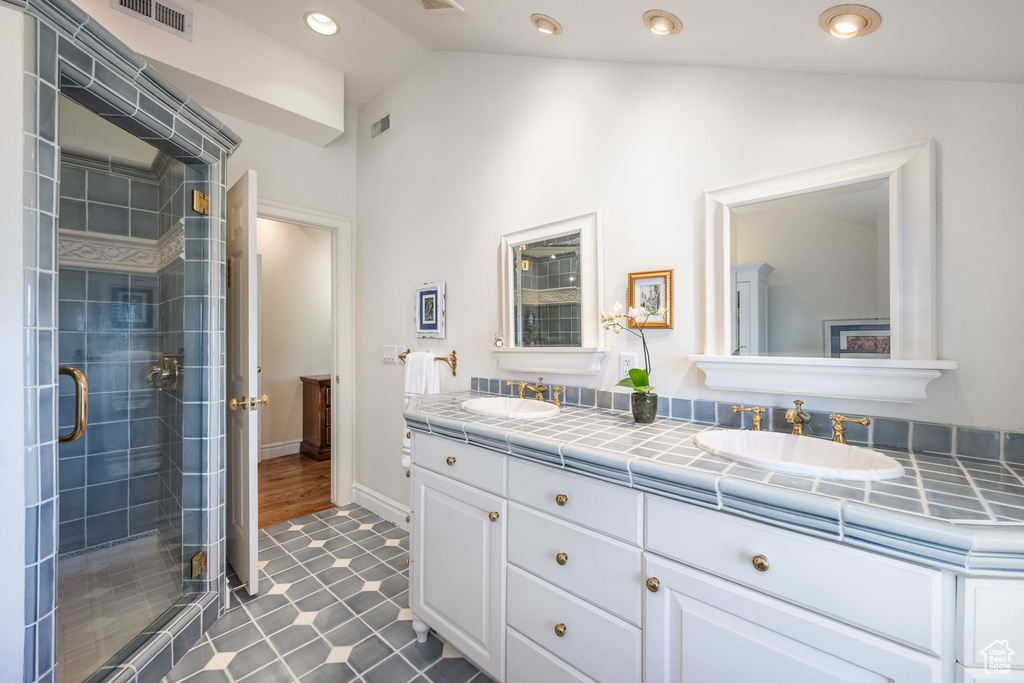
457	568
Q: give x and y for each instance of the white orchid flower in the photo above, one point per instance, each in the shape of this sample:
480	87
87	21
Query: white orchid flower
632	313
617	309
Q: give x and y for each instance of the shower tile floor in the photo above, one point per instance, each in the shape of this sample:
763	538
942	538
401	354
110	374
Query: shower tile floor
333	606
106	597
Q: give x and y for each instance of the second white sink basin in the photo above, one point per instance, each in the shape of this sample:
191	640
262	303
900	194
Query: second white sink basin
510	408
802	455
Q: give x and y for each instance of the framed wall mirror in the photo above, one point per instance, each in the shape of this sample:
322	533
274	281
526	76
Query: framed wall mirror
822	281
550	297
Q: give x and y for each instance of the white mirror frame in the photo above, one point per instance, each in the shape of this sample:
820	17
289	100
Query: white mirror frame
913	361
582	360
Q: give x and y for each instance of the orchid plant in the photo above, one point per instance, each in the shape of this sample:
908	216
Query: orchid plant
639	378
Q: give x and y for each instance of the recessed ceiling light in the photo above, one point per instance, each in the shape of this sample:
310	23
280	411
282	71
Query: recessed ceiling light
849	21
661	22
546	24
321	23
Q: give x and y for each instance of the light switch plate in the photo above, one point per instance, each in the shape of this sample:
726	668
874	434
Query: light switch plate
389	354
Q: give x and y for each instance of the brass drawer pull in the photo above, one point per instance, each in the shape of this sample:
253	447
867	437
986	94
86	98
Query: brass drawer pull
653	584
450	460
561	558
561	499
760	563
494	516
559	630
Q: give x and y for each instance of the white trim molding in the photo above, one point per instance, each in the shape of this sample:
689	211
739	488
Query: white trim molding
277	450
378	503
564	361
864	379
910	171
97	251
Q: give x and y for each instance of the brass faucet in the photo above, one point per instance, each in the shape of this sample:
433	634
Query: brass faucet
798	417
522	385
839	429
756	410
539	388
555	390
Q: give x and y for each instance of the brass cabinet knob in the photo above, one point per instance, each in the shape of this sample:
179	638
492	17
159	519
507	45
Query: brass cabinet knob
450	460
653	584
559	630
494	516
561	558
408	518
408	435
760	563
408	474
235	402
561	499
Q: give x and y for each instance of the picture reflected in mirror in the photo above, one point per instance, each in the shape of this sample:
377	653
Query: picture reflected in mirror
547	295
810	274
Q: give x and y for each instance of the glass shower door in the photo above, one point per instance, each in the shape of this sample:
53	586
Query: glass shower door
121	318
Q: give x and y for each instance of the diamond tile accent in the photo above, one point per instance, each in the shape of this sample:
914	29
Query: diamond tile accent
345	630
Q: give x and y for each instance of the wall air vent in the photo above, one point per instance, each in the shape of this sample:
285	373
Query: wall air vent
438	6
380	126
160	14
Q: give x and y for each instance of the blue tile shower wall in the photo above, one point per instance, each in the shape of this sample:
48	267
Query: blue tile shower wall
66	49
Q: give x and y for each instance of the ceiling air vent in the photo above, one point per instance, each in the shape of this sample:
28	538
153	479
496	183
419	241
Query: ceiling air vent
160	14
380	126
438	6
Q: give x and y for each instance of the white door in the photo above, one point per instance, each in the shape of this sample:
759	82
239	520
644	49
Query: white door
458	567
242	414
700	628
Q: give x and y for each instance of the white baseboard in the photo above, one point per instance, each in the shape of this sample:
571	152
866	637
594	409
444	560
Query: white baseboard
276	450
378	503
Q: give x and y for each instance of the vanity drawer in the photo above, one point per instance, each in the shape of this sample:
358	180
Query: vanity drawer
990	616
597	568
527	662
608	508
598	644
470	464
894	598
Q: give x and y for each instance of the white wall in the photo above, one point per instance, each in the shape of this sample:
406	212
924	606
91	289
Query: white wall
481	145
12	444
290	171
295	321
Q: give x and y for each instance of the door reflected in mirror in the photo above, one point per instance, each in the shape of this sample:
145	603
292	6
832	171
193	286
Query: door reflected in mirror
547	292
810	274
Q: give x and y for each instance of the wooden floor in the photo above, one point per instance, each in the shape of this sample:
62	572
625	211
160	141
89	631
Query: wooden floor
292	486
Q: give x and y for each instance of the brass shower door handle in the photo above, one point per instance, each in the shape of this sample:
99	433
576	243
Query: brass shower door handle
81	404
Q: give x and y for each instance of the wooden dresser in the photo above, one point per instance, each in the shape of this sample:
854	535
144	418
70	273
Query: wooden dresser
316	417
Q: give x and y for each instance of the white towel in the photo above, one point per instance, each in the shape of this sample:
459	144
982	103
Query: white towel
422	376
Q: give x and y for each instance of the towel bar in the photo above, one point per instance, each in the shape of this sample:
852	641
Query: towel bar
450	359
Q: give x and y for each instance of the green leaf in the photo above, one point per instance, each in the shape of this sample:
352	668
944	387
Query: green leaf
639	377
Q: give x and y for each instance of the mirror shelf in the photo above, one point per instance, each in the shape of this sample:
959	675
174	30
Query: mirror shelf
913	356
563	361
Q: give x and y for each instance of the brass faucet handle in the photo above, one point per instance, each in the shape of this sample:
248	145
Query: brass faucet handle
757	411
538	388
555	392
839	429
522	386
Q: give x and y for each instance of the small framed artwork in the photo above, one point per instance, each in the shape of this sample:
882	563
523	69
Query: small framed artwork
863	338
651	291
430	311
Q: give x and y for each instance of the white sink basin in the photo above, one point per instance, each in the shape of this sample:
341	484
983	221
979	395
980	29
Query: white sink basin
802	455
510	408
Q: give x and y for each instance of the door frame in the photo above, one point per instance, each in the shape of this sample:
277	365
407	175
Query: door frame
343	309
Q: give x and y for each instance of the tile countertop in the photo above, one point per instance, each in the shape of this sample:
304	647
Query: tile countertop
948	511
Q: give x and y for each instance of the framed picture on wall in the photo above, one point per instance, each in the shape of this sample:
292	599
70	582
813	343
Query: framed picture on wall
651	291
430	310
863	338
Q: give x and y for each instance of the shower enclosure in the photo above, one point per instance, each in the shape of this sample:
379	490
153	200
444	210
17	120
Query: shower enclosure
120	322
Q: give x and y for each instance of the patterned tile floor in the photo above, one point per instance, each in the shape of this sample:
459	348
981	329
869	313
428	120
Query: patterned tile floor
333	606
107	596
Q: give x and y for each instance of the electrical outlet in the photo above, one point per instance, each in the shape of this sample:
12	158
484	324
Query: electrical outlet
627	361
